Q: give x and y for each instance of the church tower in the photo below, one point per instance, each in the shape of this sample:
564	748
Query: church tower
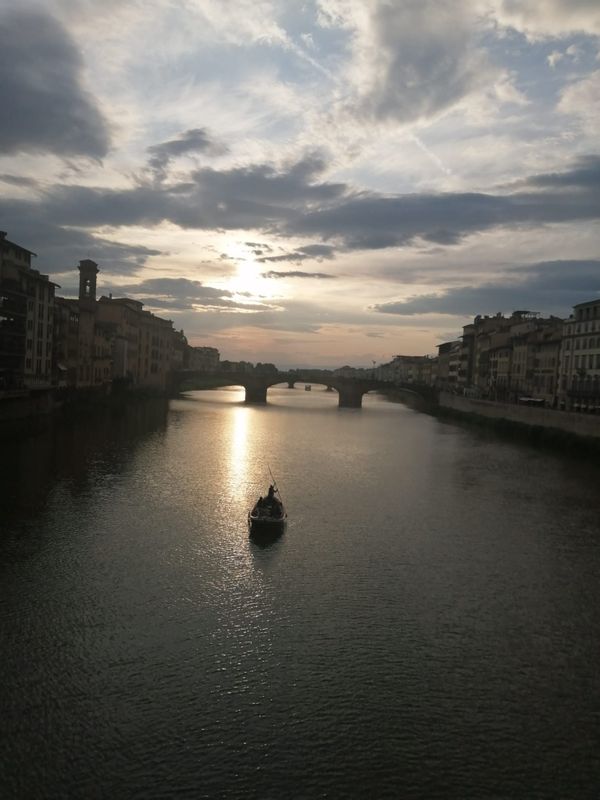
88	270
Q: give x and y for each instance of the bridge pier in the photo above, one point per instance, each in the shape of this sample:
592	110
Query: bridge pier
350	396
256	393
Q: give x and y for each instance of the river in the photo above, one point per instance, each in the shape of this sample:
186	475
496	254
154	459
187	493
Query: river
428	626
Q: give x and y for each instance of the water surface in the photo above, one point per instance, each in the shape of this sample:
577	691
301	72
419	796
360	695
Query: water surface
427	627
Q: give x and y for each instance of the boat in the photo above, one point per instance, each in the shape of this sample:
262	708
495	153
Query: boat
268	515
308	387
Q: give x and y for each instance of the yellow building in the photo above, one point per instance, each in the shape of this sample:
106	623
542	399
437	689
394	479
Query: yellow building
143	344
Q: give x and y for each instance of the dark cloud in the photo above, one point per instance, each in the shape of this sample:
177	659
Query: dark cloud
196	140
310	252
291	201
319	251
44	105
259	196
369	221
258	245
298	274
585	172
244	197
61	248
18	180
551	287
182	294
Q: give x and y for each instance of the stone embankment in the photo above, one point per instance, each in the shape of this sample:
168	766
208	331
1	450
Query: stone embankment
545	422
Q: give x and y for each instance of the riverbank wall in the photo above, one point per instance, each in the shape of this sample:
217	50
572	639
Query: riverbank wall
541	424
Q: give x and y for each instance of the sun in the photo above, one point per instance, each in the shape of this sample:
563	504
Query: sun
248	281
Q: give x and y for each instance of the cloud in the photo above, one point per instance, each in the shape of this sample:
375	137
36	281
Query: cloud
298	274
410	60
550	18
584	174
318	250
293	201
196	140
257	196
550	287
554	57
308	252
18	180
45	107
582	99
370	221
182	294
61	248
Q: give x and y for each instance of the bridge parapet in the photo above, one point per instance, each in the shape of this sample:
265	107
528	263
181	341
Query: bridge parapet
256	384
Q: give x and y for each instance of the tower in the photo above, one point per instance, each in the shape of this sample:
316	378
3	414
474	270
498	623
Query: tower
88	270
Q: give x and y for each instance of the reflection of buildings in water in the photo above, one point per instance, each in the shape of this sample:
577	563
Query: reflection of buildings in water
70	447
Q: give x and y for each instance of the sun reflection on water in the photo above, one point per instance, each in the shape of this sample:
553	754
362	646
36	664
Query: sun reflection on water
238	452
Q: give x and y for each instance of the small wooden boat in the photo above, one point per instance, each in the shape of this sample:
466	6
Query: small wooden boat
268	516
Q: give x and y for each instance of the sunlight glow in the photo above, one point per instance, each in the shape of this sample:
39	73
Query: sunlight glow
249	283
238	451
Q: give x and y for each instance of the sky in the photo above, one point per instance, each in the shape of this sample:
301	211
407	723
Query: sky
312	183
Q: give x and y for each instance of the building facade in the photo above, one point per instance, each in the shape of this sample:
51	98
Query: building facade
579	379
204	359
26	320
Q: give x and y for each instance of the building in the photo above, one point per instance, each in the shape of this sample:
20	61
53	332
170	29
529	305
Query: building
66	342
181	351
448	365
113	340
579	372
504	358
204	359
547	343
406	369
143	345
83	344
26	320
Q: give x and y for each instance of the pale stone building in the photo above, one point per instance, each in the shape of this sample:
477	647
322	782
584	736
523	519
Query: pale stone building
204	359
579	376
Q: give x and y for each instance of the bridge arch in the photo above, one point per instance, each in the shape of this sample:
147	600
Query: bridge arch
256	384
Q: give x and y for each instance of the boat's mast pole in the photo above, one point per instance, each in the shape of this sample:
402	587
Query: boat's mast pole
274	483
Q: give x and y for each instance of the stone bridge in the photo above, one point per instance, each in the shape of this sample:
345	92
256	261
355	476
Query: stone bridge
350	390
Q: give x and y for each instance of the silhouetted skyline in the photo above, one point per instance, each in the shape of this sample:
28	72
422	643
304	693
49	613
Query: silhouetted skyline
327	182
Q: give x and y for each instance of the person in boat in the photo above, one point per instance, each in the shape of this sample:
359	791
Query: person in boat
271	496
